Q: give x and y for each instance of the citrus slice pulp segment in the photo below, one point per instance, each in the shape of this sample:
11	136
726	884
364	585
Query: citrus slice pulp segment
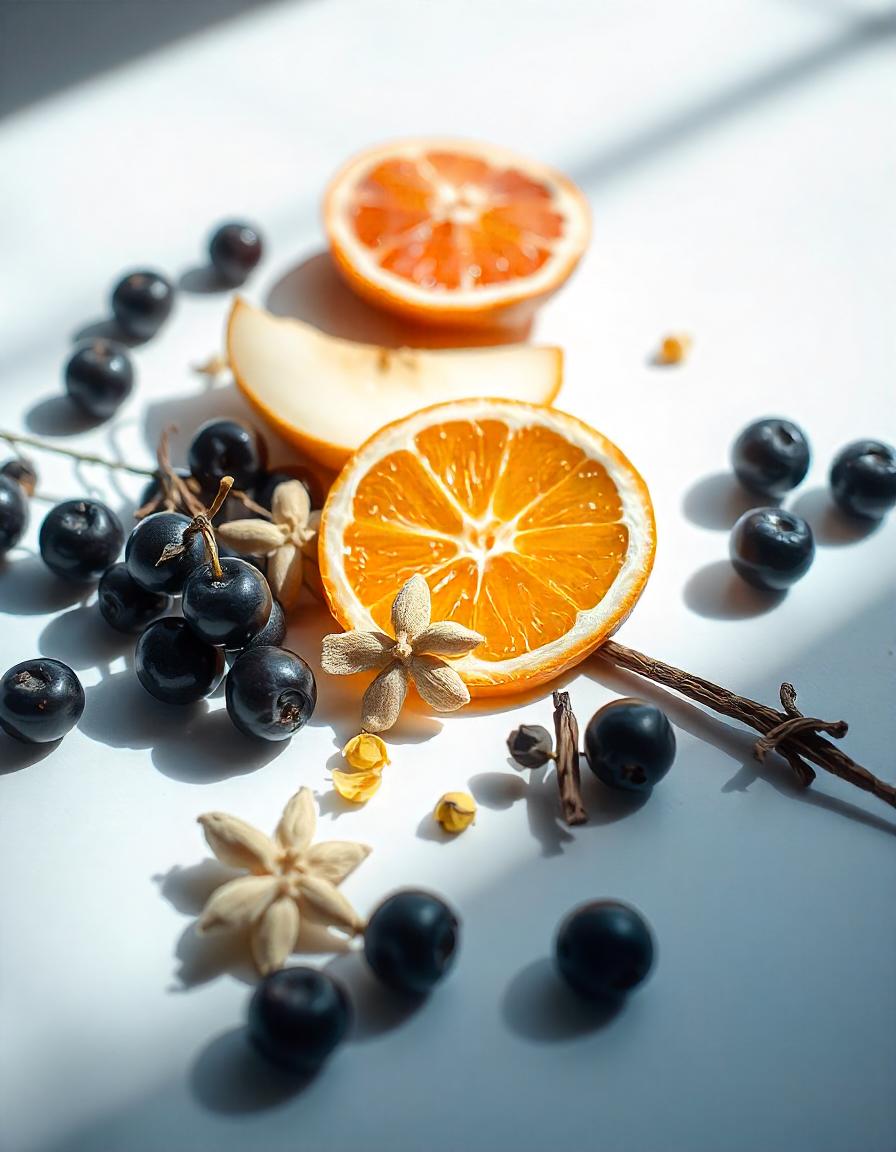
539	534
454	231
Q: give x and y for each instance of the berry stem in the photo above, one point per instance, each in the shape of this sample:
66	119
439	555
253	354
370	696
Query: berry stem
566	729
16	438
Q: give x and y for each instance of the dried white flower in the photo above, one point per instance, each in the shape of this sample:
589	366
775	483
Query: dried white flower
415	654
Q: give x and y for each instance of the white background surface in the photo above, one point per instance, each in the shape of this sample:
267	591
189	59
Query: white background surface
740	160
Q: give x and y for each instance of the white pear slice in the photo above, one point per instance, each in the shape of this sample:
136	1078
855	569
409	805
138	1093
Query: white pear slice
327	395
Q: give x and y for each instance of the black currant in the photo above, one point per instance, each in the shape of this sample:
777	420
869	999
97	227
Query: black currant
142	302
271	636
79	539
99	377
13	513
297	1017
771	456
270	692
771	549
40	700
174	665
148	541
411	941
863	479
124	604
630	745
227	448
234	250
603	950
230	607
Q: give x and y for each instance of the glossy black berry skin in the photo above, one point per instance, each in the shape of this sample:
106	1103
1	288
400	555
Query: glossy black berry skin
771	456
297	1017
603	950
142	302
270	693
227	448
40	700
863	479
234	250
13	513
148	541
630	745
80	539
771	549
174	665
99	377
124	605
271	636
411	941
228	609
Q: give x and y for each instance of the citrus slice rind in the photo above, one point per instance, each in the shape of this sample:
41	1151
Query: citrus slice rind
454	231
528	525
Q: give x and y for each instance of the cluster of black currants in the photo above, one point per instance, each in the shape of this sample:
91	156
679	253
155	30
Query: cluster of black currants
771	548
298	1016
99	376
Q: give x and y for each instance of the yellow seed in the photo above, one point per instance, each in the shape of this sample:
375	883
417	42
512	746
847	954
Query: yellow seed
366	753
674	349
455	811
357	787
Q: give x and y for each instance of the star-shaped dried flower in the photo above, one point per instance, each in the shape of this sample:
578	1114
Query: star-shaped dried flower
288	878
415	654
288	539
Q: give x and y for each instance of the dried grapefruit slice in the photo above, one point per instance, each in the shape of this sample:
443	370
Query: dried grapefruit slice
527	524
454	231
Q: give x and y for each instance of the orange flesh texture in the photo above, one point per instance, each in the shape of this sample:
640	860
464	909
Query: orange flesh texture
443	511
446	221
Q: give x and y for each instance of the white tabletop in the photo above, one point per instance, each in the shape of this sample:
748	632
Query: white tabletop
740	161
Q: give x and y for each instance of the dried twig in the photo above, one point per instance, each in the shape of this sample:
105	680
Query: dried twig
567	756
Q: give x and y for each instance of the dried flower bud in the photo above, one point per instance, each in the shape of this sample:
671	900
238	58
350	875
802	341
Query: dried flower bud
366	753
356	787
23	472
530	745
674	349
455	811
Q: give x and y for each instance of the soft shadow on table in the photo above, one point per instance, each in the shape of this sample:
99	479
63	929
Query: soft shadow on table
538	1006
829	525
202	280
718	500
107	328
377	1009
16	754
29	588
82	639
57	415
229	1077
718	593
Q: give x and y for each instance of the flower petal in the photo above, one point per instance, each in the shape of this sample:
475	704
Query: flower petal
329	904
383	699
412	606
438	684
336	859
237	843
238	903
285	575
275	934
357	787
254	537
298	822
291	504
366	753
446	638
344	653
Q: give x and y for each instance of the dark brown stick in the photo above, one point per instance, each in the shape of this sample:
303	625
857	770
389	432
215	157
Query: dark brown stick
567	732
796	737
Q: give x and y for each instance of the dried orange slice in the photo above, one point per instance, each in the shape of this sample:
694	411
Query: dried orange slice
453	231
528	525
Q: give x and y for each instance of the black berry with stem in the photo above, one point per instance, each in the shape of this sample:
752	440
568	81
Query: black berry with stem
411	941
272	635
863	479
124	604
603	950
234	250
142	302
227	601
13	513
771	456
297	1017
79	539
148	541
630	745
771	549
175	665
270	692
99	377
227	448
40	701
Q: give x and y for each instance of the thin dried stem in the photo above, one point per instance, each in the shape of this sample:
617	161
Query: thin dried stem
566	730
15	438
